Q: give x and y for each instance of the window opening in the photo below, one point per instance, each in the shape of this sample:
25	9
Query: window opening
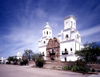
47	32
71	23
65	59
43	53
71	49
67	36
65	50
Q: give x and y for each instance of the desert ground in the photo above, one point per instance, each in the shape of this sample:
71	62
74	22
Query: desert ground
28	71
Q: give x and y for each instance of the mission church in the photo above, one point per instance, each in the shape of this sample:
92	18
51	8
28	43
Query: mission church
63	48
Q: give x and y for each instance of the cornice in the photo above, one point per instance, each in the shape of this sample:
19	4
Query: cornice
46	28
42	46
69	17
66	29
70	41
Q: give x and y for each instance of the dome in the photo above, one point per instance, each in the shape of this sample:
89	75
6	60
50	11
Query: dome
47	26
19	54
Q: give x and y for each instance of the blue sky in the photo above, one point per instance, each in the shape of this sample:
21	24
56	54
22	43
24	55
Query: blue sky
22	21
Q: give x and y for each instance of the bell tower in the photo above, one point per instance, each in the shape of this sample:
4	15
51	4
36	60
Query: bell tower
47	34
70	22
47	31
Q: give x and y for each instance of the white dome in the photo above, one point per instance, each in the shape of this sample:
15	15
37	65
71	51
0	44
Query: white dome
19	54
47	26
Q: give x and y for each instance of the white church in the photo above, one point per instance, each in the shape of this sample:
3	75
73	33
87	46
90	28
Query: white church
63	48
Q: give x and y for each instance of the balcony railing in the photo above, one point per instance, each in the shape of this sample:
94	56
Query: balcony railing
65	53
51	54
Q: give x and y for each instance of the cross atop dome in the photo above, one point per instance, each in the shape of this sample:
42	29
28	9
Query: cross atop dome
47	23
47	26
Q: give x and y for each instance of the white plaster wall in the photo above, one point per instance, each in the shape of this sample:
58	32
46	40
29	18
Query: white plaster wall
19	57
77	46
49	32
59	37
68	58
68	25
65	33
46	39
42	49
72	35
73	23
80	39
39	43
67	45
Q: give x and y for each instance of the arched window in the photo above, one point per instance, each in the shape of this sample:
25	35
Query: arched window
44	32
47	32
44	42
43	53
65	50
67	36
65	59
52	51
70	49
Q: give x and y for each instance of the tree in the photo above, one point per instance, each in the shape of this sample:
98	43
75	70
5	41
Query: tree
35	56
91	52
28	54
10	59
38	59
14	59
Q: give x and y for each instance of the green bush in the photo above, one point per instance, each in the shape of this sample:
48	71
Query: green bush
25	62
21	63
81	63
15	63
66	67
8	63
40	61
76	68
54	67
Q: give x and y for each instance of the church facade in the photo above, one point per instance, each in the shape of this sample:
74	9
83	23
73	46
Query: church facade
63	48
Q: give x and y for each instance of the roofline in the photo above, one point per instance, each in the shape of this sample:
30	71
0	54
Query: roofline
46	28
69	17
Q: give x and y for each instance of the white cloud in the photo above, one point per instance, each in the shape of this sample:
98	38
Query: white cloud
90	31
54	25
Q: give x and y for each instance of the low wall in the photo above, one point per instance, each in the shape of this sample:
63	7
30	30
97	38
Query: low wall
95	66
